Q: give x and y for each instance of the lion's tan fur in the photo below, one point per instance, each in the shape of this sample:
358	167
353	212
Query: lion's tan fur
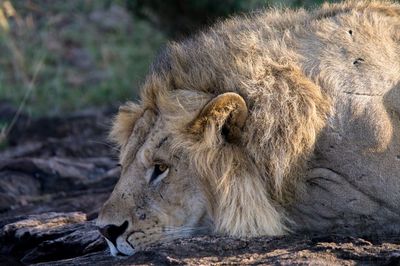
291	99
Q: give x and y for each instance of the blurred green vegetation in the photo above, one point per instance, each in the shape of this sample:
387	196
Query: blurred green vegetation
76	54
61	56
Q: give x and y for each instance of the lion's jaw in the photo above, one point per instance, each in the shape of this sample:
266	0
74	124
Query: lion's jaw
157	209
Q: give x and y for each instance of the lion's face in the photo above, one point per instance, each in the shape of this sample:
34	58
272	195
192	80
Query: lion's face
156	198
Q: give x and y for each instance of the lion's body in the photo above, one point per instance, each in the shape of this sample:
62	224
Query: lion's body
320	142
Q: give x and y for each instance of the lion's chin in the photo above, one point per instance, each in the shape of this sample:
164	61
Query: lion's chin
120	251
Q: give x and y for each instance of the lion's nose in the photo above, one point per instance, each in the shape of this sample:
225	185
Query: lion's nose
112	232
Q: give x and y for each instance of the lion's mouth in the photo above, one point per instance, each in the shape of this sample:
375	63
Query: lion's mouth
116	252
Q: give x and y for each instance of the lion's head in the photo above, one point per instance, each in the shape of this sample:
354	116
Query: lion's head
163	192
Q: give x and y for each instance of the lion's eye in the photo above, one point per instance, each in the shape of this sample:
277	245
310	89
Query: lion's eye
160	168
159	172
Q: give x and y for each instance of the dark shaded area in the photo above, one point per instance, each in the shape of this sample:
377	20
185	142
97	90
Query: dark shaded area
57	164
180	18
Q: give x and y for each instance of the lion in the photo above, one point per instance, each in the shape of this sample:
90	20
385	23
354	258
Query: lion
276	122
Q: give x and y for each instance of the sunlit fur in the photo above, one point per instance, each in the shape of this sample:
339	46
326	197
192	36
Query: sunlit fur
245	183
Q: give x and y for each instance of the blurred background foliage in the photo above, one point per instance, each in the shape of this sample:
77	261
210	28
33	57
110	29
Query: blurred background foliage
61	56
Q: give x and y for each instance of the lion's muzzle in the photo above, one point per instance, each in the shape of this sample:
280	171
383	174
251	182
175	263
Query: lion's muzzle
111	232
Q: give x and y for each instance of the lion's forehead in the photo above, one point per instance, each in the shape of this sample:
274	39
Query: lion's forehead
149	135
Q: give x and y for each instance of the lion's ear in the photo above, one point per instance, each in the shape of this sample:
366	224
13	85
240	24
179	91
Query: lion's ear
226	113
124	122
